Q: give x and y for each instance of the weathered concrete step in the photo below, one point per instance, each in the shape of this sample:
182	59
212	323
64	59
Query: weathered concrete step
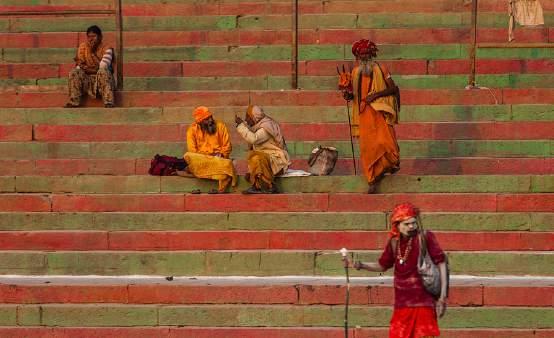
240	19
274	35
252	263
171	8
317	5
325	132
268	53
261	315
259	240
267	221
464	291
422	149
253	332
283	68
431	166
270	82
341	202
281	53
37	99
284	114
107	184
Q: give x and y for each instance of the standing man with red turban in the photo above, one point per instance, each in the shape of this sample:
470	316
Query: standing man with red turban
375	108
415	309
209	148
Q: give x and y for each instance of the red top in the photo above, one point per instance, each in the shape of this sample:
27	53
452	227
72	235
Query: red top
408	288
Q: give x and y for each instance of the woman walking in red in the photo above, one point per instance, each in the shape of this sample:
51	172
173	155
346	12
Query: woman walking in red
415	309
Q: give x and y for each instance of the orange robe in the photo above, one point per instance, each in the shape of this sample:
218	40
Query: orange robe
373	124
203	143
200	155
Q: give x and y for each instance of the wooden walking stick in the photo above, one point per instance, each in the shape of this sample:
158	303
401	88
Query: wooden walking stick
344	253
351	139
345	85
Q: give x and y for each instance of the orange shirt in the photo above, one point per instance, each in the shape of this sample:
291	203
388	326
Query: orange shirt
203	143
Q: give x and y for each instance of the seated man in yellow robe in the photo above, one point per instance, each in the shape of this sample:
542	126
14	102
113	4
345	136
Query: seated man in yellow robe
268	156
209	148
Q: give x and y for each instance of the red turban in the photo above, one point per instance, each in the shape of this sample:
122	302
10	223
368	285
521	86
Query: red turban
201	113
365	48
401	213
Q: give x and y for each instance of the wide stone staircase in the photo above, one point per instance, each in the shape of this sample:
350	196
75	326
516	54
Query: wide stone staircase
91	246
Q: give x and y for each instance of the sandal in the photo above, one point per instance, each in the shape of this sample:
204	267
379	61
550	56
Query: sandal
196	191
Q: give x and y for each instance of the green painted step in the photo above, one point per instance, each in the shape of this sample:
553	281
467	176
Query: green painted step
242	53
259	315
278	53
98	184
261	22
409	149
171	221
249	263
284	114
306	82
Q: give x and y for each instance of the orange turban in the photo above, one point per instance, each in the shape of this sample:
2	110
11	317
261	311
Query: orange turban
201	113
401	213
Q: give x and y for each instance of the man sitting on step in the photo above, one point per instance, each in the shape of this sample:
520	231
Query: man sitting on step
268	154
93	72
209	148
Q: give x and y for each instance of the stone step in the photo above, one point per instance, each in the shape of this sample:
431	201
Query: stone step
322	202
107	184
515	113
324	132
198	69
282	52
429	166
373	291
270	82
239	19
261	315
254	332
506	96
463	221
276	35
151	8
252	263
259	240
421	149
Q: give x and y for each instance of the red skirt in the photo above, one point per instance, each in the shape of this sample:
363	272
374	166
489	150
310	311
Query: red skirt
414	322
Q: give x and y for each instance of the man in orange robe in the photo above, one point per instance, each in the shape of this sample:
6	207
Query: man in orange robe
209	148
375	109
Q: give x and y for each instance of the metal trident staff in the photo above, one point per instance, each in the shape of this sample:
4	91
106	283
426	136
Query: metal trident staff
344	253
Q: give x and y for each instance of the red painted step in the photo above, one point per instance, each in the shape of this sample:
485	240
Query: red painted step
287	97
292	131
280	202
259	240
252	332
301	294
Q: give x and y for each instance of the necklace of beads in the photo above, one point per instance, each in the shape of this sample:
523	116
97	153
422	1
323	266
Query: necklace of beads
402	258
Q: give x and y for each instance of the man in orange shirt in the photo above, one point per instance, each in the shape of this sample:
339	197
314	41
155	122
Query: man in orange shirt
209	148
375	106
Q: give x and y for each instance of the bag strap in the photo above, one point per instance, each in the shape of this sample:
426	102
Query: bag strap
422	243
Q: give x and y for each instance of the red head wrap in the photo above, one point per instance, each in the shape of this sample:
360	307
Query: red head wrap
401	213
201	113
364	48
